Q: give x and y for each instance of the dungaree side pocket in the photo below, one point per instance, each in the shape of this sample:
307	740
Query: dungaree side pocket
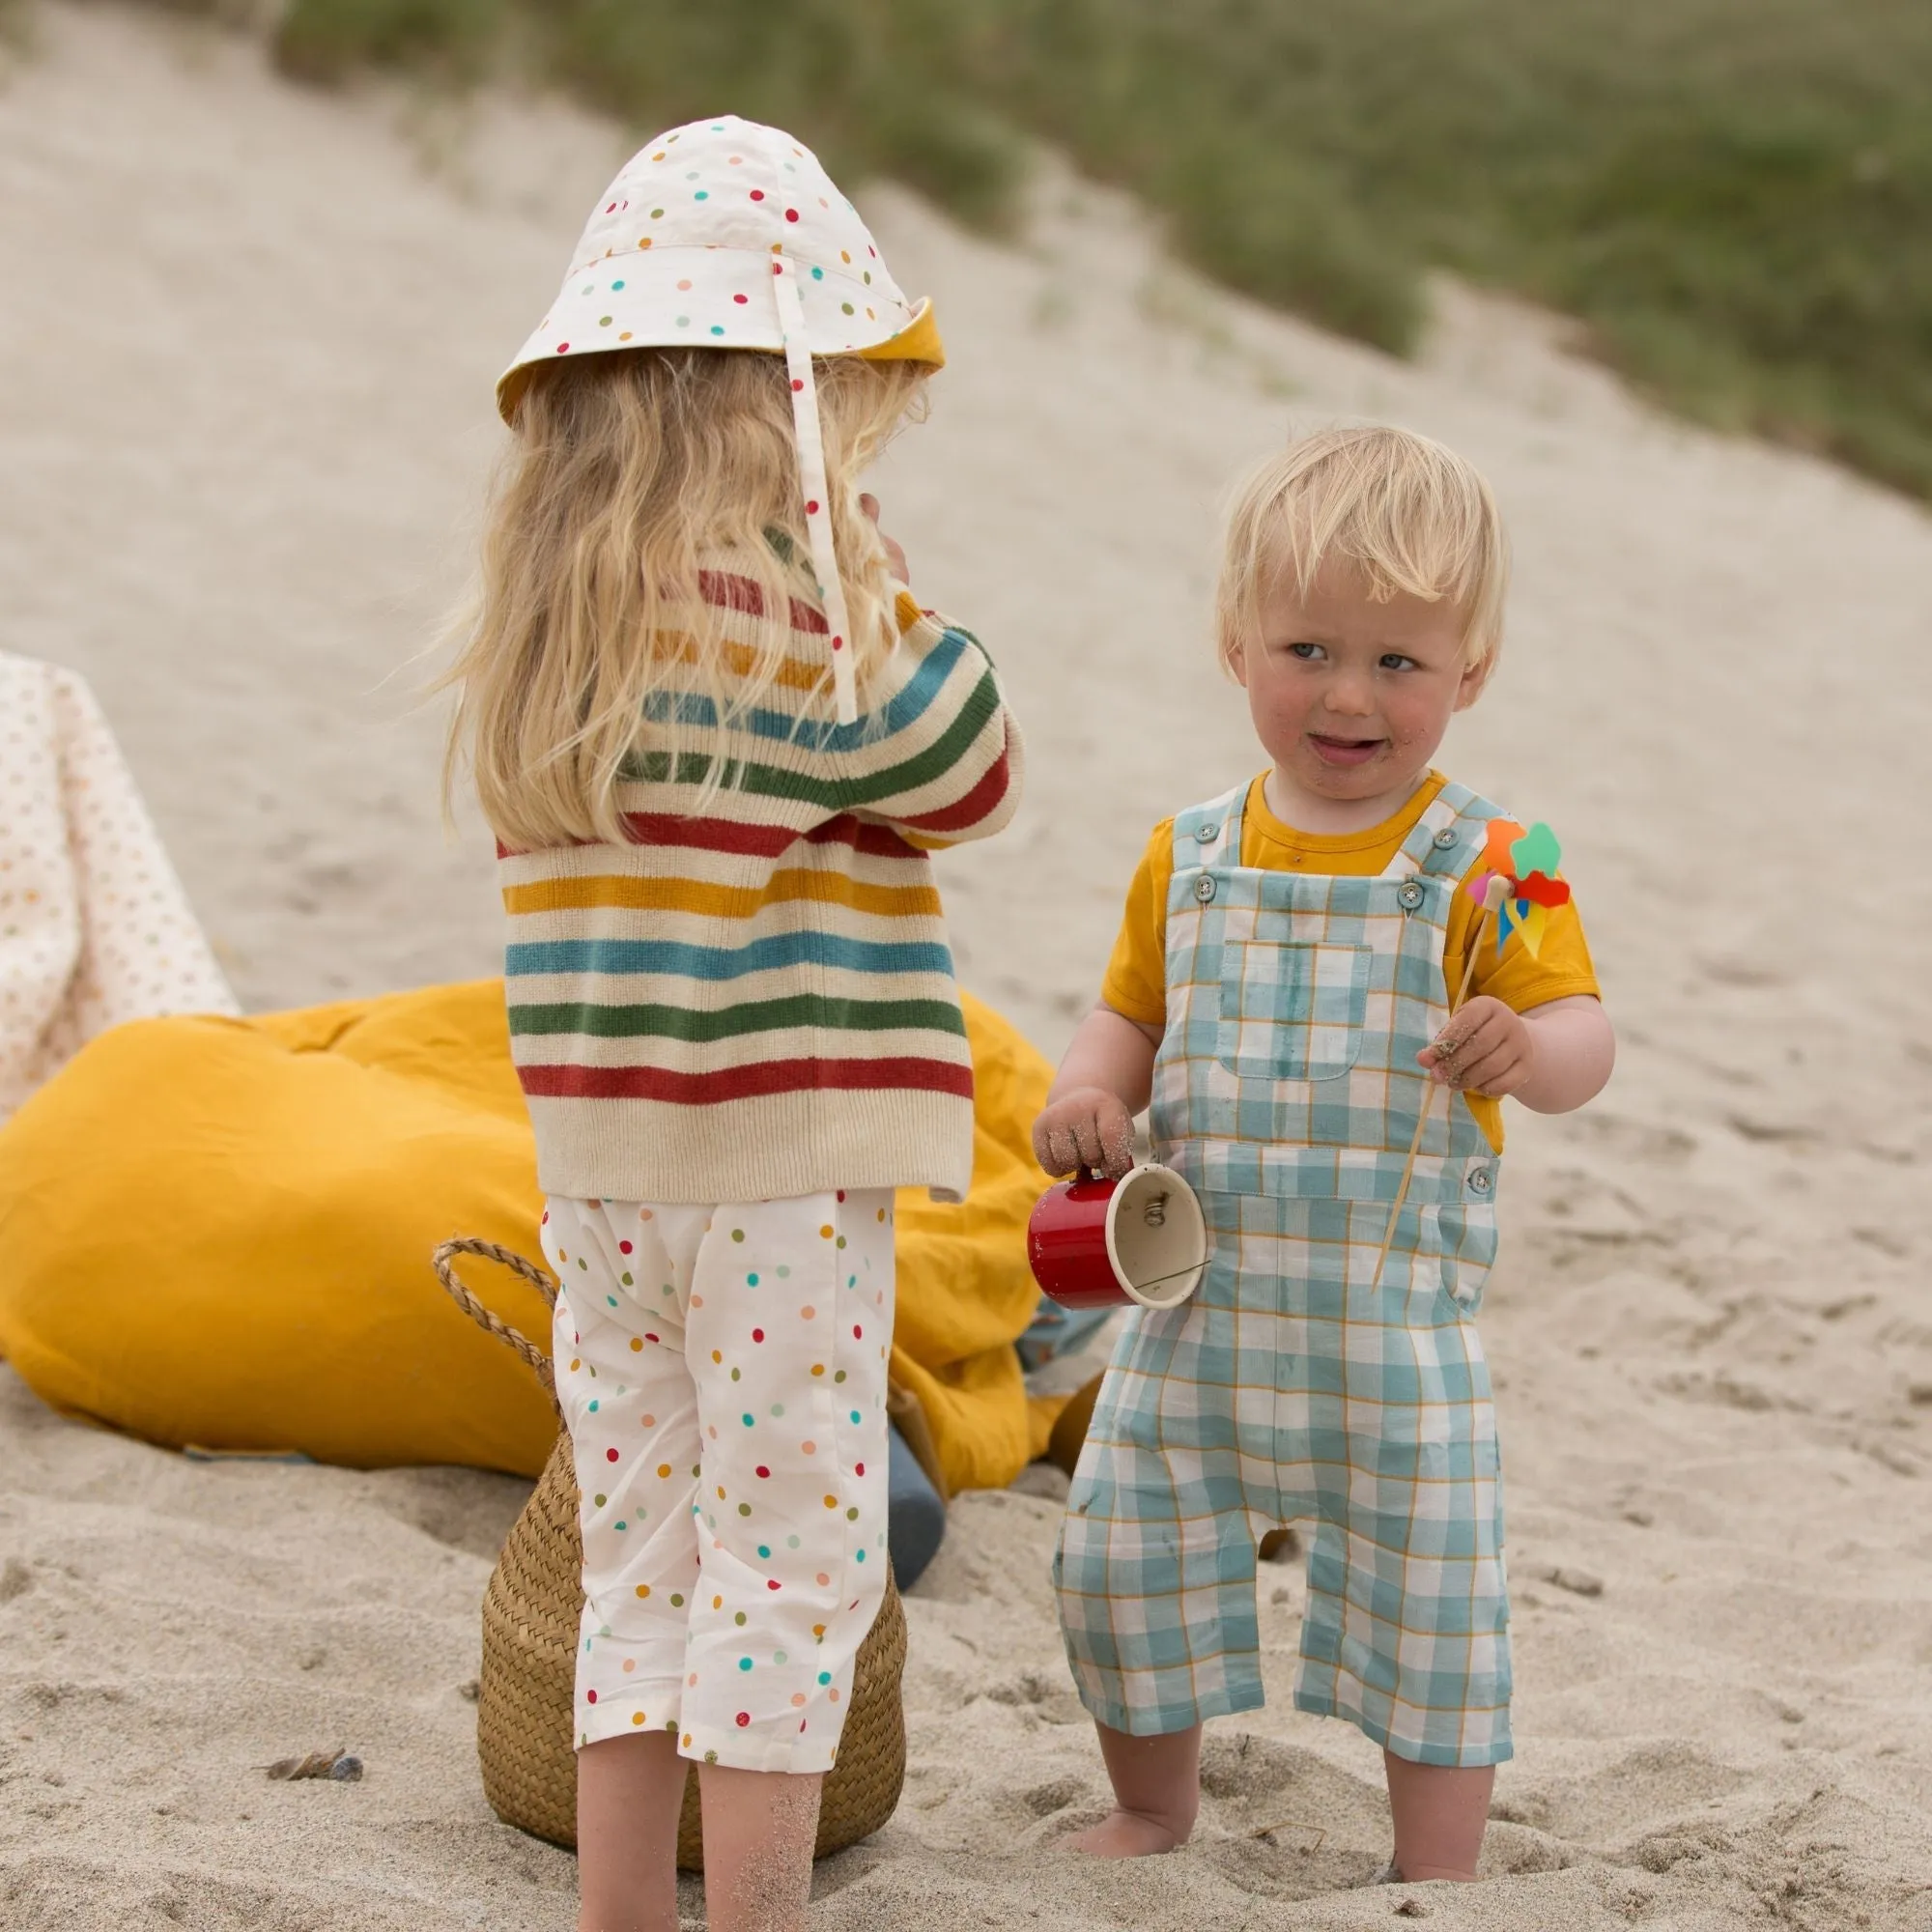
1463	1239
1290	1012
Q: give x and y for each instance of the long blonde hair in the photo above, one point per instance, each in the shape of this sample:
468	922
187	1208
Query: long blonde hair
1407	512
589	639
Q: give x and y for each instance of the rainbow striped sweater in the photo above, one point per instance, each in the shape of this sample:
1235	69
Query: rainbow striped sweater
756	1000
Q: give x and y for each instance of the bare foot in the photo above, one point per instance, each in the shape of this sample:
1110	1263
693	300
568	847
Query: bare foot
1439	1814
1127	1835
1156	1786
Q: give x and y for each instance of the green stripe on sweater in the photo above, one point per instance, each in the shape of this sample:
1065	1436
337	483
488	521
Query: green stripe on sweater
801	1010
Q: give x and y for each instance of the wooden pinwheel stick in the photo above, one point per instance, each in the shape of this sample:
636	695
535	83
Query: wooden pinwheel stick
1494	896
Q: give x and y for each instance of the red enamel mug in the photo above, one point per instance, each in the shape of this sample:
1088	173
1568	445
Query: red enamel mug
1139	1240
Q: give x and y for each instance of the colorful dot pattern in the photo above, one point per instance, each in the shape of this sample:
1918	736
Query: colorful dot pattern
94	927
730	1448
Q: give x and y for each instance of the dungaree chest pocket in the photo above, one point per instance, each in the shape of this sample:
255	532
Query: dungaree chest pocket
1292	1011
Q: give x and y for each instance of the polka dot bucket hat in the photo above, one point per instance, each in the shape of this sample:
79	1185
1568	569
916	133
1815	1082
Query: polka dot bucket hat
723	233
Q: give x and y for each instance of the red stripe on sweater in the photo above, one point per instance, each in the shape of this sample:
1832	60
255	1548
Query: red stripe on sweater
763	842
767	842
869	842
755	1081
981	802
725	590
707	835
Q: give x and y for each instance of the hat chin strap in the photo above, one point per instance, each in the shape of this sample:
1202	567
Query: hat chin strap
811	479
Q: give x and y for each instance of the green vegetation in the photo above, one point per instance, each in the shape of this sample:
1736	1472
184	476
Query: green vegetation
1734	195
457	39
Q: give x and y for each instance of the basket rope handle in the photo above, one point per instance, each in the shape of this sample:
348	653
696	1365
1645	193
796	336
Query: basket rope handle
513	1339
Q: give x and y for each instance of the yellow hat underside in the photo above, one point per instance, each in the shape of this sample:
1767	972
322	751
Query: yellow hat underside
917	342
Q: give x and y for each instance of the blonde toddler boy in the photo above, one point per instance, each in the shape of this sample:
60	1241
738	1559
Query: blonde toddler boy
1280	991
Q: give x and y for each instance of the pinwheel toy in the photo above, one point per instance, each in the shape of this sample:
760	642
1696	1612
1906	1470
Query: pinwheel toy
1525	863
1519	884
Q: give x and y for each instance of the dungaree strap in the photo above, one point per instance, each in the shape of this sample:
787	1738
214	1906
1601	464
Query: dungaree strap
1211	833
1444	842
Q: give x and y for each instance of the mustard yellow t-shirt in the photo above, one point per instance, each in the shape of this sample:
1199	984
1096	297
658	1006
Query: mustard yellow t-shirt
1136	981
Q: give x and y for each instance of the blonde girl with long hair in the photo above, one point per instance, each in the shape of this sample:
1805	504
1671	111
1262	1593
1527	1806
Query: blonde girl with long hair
715	738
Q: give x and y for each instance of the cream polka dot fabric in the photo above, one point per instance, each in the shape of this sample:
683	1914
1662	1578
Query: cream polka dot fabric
679	251
723	1376
94	927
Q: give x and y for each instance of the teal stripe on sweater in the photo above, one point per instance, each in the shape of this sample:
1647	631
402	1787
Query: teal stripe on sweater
726	963
906	707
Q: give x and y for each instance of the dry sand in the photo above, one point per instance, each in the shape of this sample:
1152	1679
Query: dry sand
249	334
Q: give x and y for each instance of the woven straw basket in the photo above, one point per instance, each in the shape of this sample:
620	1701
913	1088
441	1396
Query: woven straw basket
531	1614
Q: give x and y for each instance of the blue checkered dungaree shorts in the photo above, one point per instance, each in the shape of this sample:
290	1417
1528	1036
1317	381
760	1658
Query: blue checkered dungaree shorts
1291	1388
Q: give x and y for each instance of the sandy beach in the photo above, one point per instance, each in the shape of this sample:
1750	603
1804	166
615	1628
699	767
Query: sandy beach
249	334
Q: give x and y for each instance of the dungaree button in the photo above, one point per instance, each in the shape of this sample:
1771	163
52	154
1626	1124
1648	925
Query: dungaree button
1204	889
1206	834
1445	838
1409	897
1479	1182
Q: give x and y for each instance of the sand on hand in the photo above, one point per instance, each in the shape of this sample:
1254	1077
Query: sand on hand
250	334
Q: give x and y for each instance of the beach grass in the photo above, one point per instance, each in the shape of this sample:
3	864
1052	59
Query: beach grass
1734	196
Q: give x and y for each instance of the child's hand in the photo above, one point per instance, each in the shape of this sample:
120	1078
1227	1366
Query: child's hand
1485	1048
894	556
1088	1128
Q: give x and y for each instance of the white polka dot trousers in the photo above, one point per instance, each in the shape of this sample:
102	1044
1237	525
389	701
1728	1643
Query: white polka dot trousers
722	1376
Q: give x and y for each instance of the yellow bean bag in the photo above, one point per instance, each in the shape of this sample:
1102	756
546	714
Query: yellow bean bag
216	1234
